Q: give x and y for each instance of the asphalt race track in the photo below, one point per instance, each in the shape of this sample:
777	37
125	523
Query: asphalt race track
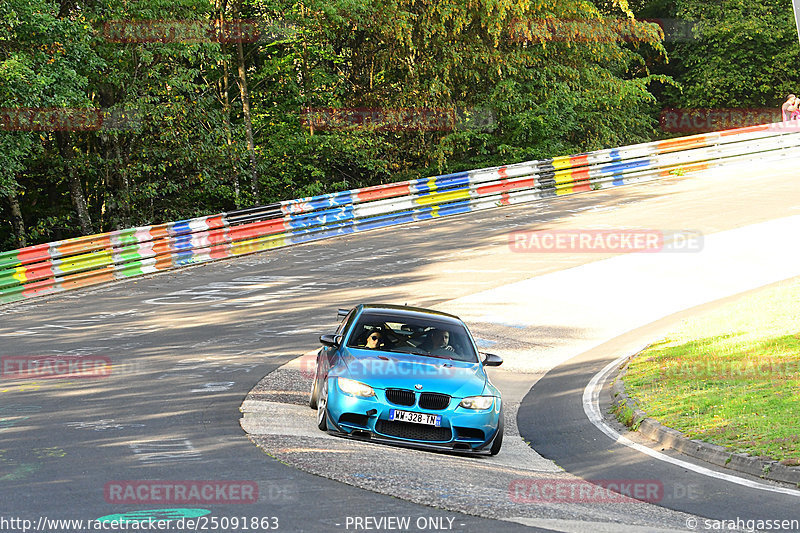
187	347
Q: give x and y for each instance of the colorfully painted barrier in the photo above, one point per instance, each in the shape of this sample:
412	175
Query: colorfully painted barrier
84	261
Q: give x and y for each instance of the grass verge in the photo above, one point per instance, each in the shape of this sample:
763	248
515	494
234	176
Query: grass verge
730	376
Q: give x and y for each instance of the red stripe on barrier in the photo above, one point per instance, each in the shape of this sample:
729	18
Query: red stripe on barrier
39	287
85	279
747	129
220	251
84	244
257	229
380	192
159	232
219	241
509	185
163	260
39	271
579	161
580	178
218	236
34	254
215	222
684	143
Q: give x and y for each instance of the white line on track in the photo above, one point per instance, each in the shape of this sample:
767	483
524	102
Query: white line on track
591	406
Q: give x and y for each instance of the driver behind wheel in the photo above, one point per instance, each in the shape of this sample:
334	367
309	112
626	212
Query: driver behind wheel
438	343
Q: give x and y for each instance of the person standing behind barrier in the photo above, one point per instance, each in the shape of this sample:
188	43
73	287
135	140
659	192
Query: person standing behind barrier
789	108
795	110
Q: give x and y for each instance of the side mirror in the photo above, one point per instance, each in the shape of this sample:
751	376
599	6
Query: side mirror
330	340
492	359
341	313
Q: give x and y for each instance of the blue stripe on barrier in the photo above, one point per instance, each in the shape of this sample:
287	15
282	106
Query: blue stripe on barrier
180	227
445	182
182	242
426	213
321	227
453	184
455	208
383	221
318	218
615	168
324	200
332	201
453	180
182	258
318	233
421	187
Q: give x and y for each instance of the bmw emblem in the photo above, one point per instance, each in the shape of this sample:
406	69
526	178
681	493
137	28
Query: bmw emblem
418	386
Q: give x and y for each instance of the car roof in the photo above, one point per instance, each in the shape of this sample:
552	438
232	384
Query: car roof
404	311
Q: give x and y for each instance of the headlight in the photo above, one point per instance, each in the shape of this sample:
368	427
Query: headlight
477	402
355	388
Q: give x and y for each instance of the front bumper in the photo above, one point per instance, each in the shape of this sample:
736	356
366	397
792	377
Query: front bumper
461	429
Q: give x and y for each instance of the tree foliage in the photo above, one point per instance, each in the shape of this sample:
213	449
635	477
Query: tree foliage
195	123
737	54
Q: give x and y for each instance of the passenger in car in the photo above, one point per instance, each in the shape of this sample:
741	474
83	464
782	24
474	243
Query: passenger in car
374	340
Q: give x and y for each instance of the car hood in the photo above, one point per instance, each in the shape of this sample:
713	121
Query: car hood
386	370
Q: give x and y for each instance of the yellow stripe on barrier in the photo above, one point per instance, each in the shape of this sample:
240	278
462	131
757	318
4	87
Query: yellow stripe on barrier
20	274
258	245
562	162
564	182
84	262
442	197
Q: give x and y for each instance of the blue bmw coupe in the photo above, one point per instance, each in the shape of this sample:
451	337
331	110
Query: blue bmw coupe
407	376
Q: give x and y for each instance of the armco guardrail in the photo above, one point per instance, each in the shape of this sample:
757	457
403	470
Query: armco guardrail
84	261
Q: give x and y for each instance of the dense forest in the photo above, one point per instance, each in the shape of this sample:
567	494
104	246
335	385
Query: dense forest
120	113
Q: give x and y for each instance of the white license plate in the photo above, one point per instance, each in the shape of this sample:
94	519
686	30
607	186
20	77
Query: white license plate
415	418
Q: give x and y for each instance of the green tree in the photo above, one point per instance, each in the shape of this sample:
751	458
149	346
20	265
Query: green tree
740	53
195	124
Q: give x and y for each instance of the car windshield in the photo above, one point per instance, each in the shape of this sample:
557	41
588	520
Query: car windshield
412	335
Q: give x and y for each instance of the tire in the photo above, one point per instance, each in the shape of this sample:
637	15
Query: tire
322	407
312	398
498	439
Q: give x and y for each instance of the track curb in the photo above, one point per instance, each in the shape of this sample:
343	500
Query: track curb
762	467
